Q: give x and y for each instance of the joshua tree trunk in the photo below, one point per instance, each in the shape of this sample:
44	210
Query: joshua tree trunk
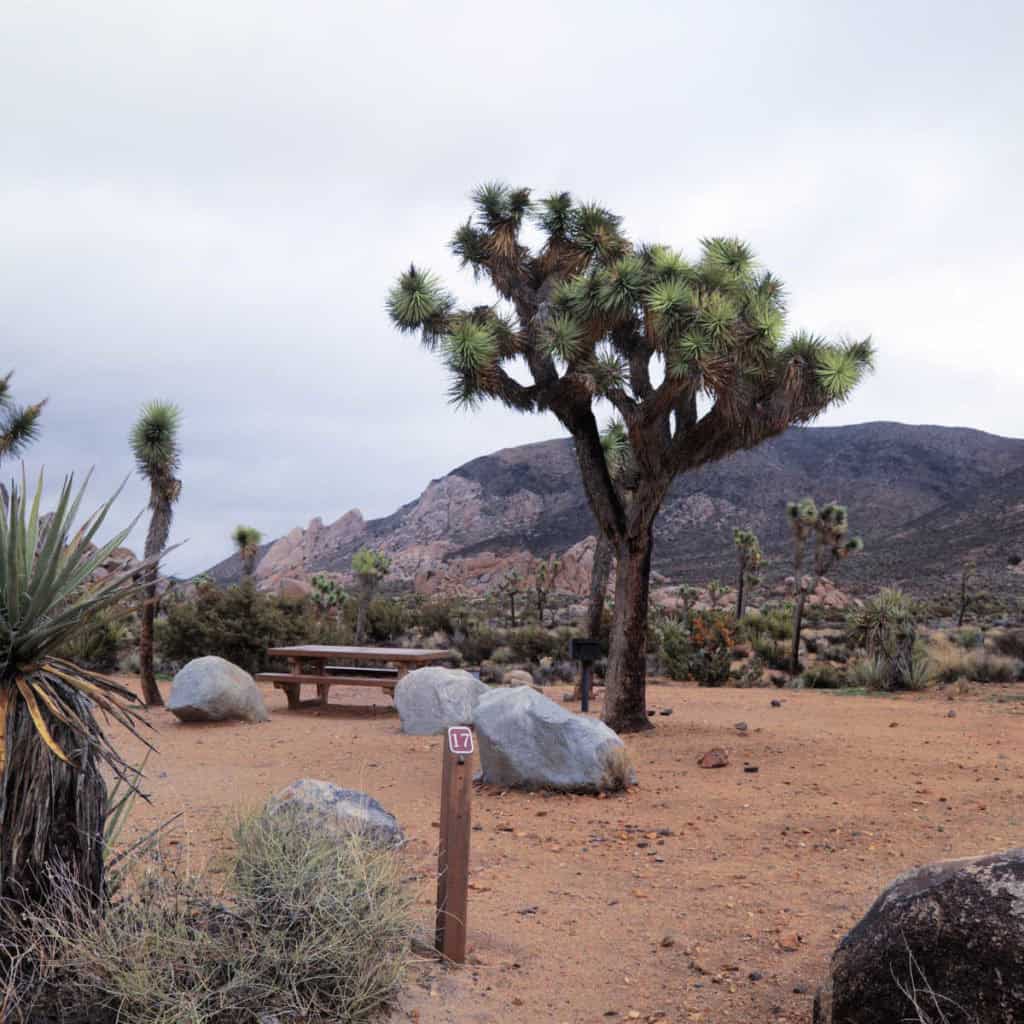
739	594
798	618
599	574
150	691
51	814
625	704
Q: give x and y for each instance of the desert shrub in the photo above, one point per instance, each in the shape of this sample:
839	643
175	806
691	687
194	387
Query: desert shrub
478	642
968	637
886	627
674	649
98	645
436	616
774	653
503	655
977	666
868	673
239	624
778	621
711	638
822	677
387	618
835	652
531	643
1010	643
311	929
750	673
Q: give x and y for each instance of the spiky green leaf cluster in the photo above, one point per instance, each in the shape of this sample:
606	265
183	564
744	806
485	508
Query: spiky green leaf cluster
19	424
367	563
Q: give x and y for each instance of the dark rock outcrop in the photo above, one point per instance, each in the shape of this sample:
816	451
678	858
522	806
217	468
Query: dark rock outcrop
947	938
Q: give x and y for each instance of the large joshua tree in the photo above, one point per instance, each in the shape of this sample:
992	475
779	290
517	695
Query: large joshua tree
52	792
154	441
369	567
692	355
19	424
247	540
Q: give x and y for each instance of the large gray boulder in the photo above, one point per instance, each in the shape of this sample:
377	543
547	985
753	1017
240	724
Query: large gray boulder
340	812
948	935
528	741
211	689
431	699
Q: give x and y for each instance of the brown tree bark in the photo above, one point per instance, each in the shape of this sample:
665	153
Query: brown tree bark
798	619
740	587
625	701
599	574
150	691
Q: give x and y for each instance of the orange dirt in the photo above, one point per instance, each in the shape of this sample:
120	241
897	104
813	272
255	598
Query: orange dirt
580	911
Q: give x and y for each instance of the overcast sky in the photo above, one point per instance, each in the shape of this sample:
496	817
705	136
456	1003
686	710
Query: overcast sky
207	202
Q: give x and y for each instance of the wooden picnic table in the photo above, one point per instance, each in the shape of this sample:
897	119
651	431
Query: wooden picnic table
324	666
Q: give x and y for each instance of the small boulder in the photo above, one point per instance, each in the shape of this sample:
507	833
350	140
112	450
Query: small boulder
716	757
527	741
212	689
954	928
517	677
339	811
431	699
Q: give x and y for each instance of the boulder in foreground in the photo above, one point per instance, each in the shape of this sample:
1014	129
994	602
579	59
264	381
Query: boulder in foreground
212	689
527	741
339	811
944	942
431	699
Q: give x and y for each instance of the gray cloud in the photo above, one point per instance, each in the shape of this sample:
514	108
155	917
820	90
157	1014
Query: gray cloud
208	203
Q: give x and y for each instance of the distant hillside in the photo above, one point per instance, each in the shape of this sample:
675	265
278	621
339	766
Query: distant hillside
924	499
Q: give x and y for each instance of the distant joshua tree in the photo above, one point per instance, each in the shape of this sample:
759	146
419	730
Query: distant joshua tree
154	442
509	589
748	554
247	541
19	424
965	598
543	581
688	595
716	591
370	567
328	594
828	526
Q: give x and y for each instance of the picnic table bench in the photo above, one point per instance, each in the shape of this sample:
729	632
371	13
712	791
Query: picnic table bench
324	666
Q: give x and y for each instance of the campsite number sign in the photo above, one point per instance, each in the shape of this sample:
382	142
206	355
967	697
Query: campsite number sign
453	844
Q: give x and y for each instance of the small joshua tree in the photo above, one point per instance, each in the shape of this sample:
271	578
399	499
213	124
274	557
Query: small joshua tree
154	442
370	567
748	554
965	598
247	541
509	589
688	595
543	581
716	591
328	594
827	527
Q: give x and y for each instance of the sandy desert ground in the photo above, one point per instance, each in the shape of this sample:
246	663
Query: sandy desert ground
701	895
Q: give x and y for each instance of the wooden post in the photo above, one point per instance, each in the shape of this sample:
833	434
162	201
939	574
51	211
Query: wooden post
453	846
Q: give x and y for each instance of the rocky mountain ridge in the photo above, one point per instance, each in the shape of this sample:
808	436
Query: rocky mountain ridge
924	498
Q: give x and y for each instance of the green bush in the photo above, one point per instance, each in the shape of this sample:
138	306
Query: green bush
774	653
1009	643
968	637
312	929
99	644
239	624
822	677
531	643
675	649
479	642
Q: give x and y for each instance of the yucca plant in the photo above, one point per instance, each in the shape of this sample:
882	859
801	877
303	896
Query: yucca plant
19	424
247	542
52	792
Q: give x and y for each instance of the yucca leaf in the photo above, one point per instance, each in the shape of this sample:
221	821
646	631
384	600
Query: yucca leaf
37	719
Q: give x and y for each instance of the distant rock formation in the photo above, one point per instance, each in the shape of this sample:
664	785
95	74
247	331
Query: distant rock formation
924	498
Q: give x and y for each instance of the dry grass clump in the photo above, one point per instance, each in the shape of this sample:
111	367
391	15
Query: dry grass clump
312	929
979	665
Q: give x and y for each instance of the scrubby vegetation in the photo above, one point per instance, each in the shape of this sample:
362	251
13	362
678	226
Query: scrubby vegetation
310	928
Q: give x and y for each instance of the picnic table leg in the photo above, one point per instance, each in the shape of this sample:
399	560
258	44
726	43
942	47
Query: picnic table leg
293	690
